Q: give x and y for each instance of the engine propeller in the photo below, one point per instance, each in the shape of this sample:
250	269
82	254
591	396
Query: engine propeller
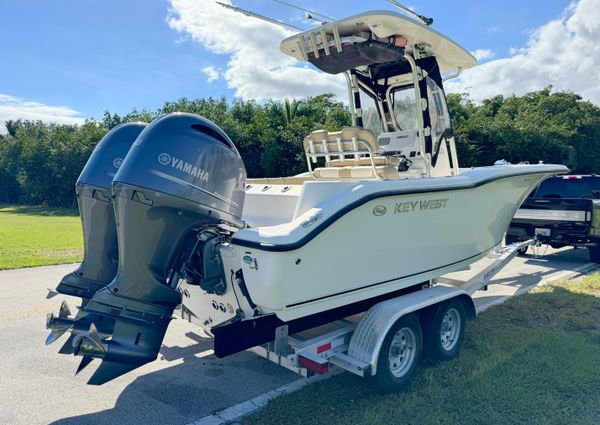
59	325
89	343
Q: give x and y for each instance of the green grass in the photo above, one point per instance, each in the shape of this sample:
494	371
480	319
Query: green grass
37	236
533	360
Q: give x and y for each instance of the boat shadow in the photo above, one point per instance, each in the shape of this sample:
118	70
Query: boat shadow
191	389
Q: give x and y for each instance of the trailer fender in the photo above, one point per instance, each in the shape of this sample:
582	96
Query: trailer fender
370	332
470	310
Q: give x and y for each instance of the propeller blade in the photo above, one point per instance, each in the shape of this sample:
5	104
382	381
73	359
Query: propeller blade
89	342
94	337
49	319
86	360
51	293
54	335
76	343
64	311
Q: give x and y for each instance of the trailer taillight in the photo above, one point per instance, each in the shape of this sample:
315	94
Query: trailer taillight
571	177
320	368
323	347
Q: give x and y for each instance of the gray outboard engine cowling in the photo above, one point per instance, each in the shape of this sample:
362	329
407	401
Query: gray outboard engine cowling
93	188
182	175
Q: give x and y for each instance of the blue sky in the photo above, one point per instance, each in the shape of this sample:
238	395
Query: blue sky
82	57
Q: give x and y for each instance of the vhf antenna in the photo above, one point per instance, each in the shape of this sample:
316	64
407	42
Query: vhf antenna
256	15
427	21
309	14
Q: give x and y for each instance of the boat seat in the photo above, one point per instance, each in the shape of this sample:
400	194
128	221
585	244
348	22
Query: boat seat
349	153
357	172
351	142
378	160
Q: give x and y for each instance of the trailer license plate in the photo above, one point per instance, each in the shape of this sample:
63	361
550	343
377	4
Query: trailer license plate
542	232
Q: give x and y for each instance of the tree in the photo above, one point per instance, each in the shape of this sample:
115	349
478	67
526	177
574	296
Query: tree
39	163
12	126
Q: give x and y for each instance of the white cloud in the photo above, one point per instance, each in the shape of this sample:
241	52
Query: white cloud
13	108
481	54
211	72
256	69
564	53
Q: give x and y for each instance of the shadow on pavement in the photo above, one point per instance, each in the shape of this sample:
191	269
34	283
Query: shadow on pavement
190	390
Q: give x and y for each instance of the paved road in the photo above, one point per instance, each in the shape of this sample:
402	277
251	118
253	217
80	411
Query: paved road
187	383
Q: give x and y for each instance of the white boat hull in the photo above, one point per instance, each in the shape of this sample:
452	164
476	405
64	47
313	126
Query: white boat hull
385	244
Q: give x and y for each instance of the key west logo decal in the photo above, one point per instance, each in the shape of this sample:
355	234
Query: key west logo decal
179	164
412	206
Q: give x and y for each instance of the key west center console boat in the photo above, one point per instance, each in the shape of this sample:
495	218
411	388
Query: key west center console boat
383	208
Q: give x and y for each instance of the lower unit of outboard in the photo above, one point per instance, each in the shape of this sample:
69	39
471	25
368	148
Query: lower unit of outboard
182	178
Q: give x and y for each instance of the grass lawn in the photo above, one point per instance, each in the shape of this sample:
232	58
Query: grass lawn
533	360
37	236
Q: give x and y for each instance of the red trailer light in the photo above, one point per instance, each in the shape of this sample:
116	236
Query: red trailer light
323	347
571	177
320	368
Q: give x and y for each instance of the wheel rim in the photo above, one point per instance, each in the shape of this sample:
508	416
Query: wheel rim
402	352
450	329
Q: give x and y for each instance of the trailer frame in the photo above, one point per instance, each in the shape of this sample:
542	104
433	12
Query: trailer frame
355	346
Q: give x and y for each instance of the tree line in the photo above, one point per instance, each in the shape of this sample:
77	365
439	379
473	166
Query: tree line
39	162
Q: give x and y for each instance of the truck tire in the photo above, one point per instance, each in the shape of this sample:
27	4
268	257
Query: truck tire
594	252
444	330
399	356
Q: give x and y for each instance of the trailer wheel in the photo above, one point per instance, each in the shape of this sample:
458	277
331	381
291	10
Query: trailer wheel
445	330
594	252
399	355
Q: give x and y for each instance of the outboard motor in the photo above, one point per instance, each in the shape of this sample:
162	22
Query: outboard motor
93	188
182	179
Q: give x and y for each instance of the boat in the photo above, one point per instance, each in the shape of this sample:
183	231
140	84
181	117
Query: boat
383	209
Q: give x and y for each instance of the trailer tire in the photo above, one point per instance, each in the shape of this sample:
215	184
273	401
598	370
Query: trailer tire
444	330
594	252
399	355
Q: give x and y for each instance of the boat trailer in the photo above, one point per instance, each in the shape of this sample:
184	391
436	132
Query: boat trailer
395	332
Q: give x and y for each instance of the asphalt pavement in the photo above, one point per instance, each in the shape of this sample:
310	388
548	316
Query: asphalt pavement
187	382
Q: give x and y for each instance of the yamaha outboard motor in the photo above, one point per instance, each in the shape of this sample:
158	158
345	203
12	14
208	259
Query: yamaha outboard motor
93	189
182	178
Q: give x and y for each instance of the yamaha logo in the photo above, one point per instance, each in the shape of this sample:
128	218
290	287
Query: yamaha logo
164	158
117	162
184	166
379	210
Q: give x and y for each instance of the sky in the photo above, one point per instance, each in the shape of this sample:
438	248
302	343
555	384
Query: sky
68	60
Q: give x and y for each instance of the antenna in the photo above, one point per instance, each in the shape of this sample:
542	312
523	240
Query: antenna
427	21
308	13
262	17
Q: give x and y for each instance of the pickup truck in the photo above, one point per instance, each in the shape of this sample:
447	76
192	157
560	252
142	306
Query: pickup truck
561	211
